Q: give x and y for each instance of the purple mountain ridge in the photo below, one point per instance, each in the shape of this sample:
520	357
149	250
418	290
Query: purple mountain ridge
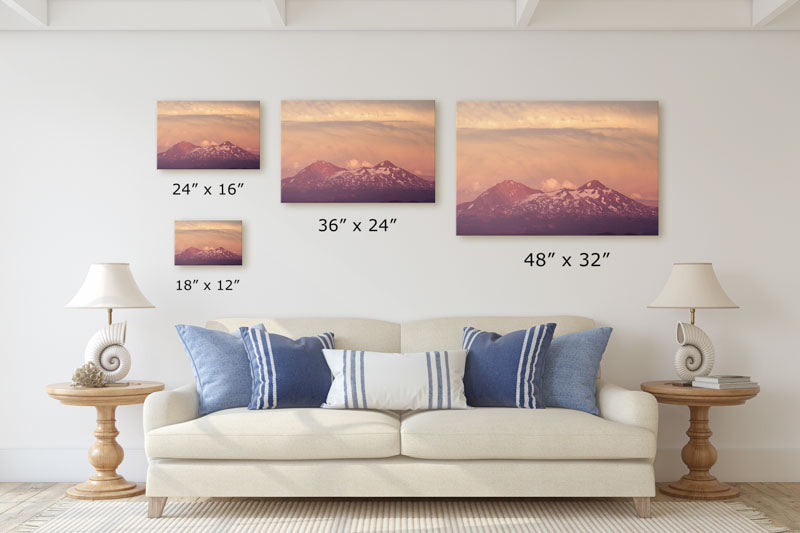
512	208
209	256
216	156
322	181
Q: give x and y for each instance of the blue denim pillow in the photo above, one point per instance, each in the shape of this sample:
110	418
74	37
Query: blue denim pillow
220	365
287	372
570	370
506	371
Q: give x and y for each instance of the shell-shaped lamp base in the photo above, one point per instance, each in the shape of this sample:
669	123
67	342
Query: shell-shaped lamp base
106	349
695	357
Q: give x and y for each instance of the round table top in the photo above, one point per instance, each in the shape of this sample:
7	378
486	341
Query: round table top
674	392
114	394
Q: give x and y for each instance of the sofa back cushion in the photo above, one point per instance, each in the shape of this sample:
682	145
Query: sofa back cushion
351	333
447	333
417	336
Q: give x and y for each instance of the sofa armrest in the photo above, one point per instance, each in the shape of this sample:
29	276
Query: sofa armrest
632	407
169	407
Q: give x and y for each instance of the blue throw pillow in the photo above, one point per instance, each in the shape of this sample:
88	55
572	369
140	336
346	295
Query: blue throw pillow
220	365
571	369
286	372
506	371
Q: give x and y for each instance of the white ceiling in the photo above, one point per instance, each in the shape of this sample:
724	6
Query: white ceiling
399	14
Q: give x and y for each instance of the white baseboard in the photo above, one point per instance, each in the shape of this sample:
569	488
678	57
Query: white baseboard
72	465
737	464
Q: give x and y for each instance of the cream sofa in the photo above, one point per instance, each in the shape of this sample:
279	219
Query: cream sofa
480	452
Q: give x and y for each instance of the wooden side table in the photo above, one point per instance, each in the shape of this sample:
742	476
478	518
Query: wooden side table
698	454
106	454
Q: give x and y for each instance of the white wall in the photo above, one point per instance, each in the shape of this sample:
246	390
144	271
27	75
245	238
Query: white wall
77	143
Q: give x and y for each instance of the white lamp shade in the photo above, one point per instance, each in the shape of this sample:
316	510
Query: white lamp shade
109	286
693	286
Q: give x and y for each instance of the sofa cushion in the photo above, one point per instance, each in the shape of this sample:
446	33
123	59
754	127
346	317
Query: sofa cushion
397	381
220	365
279	434
286	372
509	433
506	370
570	371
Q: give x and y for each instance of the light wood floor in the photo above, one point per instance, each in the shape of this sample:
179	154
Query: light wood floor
21	501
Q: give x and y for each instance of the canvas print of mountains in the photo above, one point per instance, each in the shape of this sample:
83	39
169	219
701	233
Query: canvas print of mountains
209	135
557	168
208	242
358	151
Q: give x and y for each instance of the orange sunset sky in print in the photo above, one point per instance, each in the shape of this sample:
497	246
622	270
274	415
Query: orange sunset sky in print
552	145
210	122
356	133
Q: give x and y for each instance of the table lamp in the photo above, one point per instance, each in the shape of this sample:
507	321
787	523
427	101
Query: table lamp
693	286
109	286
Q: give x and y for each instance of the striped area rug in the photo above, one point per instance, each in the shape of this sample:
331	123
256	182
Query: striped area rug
565	516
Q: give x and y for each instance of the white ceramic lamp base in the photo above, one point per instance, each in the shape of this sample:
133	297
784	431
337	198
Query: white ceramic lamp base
695	357
106	349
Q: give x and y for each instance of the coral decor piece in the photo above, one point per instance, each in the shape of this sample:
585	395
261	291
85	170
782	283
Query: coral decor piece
106	350
89	375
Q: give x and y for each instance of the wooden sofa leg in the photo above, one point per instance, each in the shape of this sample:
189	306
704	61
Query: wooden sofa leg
642	506
155	506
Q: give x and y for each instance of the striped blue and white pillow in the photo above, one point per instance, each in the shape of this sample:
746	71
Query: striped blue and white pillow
376	380
286	372
506	370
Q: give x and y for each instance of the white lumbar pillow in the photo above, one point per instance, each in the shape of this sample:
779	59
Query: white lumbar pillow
396	381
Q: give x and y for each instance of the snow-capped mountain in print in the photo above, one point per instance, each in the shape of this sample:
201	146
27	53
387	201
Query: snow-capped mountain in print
207	256
512	208
216	156
385	182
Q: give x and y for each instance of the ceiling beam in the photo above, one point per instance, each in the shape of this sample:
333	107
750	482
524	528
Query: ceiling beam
527	15
525	9
34	11
765	11
277	11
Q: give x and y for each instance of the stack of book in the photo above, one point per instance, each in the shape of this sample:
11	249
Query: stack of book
723	382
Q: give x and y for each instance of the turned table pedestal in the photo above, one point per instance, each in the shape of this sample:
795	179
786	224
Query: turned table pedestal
106	454
698	454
